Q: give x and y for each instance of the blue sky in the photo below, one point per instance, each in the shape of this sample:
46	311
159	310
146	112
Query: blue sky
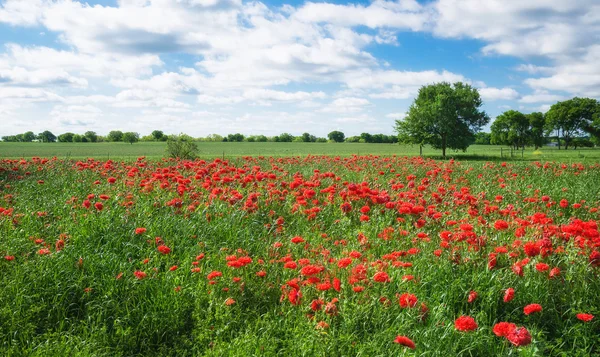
225	66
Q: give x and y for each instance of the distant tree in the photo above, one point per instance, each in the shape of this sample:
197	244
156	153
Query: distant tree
115	135
572	117
235	137
214	138
510	128
9	138
308	138
131	137
91	136
321	140
368	138
47	137
251	138
582	142
20	138
28	136
444	116
353	139
157	135
77	138
336	136
286	138
180	146
66	138
262	138
537	123
482	138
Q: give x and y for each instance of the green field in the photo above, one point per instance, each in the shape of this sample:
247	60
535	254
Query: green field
156	150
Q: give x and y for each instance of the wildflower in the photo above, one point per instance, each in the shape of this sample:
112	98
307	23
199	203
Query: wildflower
99	206
509	294
532	308
229	302
407	300
465	324
163	249
502	329
140	230
472	296
404	341
585	317
139	274
381	277
519	337
297	239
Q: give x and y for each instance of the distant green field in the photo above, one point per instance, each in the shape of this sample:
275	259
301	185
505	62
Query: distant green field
210	150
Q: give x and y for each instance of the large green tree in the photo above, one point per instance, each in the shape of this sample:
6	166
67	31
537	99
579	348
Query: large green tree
537	122
115	135
571	117
336	136
131	137
510	128
444	116
47	137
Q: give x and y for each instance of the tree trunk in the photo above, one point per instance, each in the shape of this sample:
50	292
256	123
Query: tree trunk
558	137
444	146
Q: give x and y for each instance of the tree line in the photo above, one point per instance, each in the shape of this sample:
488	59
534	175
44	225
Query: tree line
158	135
448	116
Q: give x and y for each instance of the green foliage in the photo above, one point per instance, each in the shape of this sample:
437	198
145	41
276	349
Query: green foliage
443	116
131	137
510	128
91	136
66	138
158	135
483	138
336	136
115	135
47	137
572	117
181	146
237	137
537	123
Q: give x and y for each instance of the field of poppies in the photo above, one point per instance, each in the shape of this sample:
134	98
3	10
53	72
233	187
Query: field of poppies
307	256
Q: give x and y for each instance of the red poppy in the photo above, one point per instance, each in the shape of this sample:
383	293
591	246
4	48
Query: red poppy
381	277
585	317
532	309
502	329
519	337
407	300
139	274
163	249
404	341
465	324
509	294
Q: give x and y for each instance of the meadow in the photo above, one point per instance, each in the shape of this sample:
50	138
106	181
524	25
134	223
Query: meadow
303	255
211	150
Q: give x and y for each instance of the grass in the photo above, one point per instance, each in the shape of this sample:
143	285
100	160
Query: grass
156	150
70	248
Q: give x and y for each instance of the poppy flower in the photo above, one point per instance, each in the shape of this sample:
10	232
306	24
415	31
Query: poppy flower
381	277
472	296
532	309
404	341
163	249
503	329
139	274
585	317
407	300
465	324
509	294
519	337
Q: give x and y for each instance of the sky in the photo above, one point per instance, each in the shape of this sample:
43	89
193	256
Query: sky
267	67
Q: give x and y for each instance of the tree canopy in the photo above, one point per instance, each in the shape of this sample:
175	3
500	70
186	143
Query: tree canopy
336	136
131	137
444	116
510	128
571	117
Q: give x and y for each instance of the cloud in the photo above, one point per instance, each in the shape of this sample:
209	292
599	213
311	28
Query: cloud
541	97
492	94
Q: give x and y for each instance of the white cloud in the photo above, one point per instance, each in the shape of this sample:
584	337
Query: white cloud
492	94
541	97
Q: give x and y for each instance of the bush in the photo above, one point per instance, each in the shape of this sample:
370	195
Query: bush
182	147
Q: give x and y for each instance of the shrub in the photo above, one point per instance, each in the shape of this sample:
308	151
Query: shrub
181	146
